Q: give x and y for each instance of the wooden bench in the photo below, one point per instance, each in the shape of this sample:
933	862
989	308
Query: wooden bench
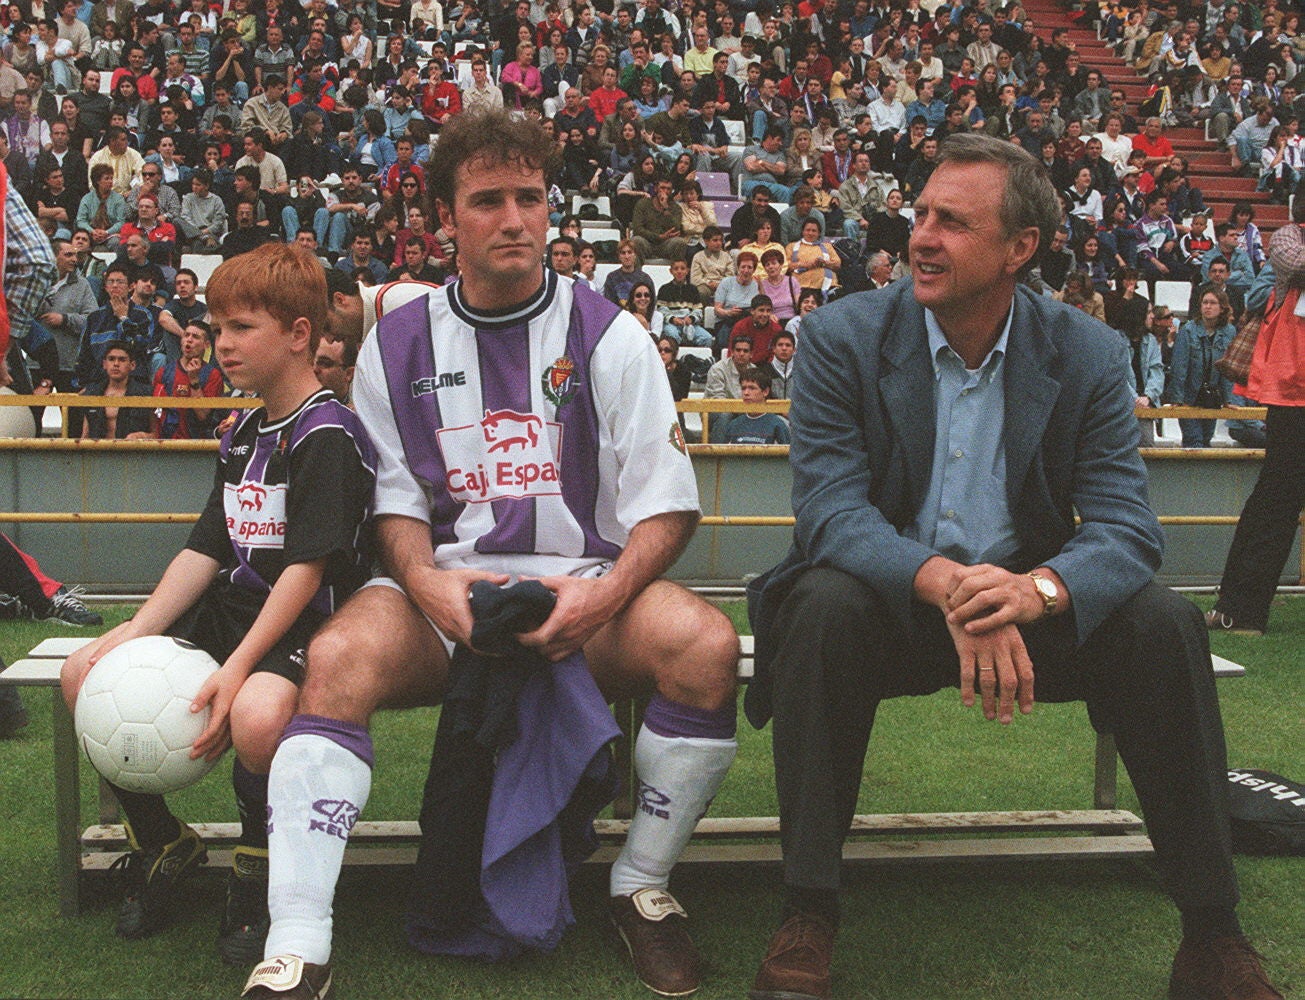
716	840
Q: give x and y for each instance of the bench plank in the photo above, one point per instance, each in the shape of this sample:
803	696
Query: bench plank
890	852
60	646
113	836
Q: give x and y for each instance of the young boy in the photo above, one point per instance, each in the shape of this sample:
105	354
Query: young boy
283	539
117	423
681	305
190	375
754	427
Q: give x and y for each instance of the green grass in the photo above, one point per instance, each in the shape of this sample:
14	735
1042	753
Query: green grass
1045	930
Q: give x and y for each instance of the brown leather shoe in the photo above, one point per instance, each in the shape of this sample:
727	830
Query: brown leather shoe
796	966
651	923
1224	968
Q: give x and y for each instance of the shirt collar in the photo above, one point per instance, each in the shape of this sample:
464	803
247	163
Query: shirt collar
940	349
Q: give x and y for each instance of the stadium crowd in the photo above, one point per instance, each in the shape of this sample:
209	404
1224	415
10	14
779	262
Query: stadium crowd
150	131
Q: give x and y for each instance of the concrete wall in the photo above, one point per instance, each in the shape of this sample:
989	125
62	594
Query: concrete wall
130	558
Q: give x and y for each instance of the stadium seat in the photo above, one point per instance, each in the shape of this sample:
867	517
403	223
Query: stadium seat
203	264
1174	294
737	135
601	202
725	212
714	184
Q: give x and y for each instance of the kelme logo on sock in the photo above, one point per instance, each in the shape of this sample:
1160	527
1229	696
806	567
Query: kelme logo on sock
653	802
340	815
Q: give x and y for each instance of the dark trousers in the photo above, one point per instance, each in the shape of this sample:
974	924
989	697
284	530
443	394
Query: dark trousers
1145	675
1267	526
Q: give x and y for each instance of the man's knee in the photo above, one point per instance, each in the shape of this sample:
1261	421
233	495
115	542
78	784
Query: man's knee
341	677
704	669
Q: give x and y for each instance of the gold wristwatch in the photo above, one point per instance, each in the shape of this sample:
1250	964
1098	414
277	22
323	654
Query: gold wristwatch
1047	591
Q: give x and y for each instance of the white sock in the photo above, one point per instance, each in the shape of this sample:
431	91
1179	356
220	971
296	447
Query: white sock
678	778
316	789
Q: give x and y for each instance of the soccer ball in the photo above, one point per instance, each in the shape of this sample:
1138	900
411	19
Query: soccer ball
133	714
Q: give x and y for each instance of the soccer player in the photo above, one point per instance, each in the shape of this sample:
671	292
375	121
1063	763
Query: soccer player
562	396
281	542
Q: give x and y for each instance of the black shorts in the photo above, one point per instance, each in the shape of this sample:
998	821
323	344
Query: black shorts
219	621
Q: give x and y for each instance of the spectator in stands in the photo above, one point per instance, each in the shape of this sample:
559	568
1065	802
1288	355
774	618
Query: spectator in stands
120	321
616	288
1193	379
723	376
1248	139
859	197
203	218
118	378
765	164
1242	218
268	111
360	256
656	224
186	377
247	234
734	297
1152	141
102	211
755	426
63	312
334	366
415	264
681	307
1228	248
1157	251
711	265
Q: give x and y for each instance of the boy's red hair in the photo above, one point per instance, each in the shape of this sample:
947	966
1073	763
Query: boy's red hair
282	279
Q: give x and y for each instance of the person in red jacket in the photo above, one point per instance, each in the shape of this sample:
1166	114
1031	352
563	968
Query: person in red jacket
439	98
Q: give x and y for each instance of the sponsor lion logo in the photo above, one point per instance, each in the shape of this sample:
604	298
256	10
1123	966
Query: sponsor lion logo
559	381
251	496
507	429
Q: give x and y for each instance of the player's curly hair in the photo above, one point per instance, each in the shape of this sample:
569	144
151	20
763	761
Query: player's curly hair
491	137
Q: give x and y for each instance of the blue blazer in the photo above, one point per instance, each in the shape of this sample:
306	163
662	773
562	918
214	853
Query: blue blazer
863	433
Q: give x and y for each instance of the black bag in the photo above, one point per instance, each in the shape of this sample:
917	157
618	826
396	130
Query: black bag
1266	813
696	366
853	276
1208	397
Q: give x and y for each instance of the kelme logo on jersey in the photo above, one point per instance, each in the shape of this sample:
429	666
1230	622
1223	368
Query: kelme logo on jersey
559	381
505	455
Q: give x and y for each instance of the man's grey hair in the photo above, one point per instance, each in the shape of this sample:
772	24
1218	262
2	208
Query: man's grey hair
1028	198
879	258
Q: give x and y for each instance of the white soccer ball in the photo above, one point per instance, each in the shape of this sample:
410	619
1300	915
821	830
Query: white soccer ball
16	421
133	714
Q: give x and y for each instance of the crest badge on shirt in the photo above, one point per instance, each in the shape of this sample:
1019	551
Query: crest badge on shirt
559	381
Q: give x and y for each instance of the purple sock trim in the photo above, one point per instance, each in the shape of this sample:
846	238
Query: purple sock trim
669	718
349	735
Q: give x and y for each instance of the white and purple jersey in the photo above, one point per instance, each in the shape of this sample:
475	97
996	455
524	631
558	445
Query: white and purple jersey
293	490
532	441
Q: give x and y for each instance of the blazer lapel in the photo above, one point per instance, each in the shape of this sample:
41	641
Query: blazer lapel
906	389
1031	394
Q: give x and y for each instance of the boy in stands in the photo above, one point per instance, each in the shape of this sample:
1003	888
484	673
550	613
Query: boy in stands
283	539
753	427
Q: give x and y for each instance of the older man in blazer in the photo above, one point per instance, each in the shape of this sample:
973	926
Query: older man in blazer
946	431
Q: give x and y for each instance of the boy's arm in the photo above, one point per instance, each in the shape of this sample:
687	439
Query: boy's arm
287	600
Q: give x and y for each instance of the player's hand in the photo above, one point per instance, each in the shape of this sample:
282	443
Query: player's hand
1000	664
985	597
443	595
583	607
219	691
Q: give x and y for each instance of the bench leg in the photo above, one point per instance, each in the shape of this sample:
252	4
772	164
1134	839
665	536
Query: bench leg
67	806
1107	763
